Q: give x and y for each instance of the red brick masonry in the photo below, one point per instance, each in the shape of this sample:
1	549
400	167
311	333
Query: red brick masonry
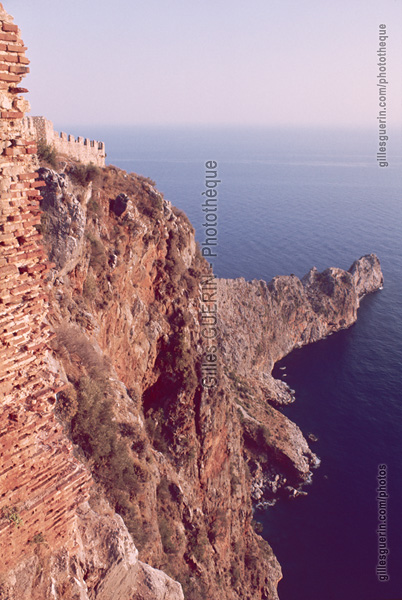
40	480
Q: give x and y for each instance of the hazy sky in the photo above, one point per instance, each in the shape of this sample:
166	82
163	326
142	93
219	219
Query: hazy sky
268	62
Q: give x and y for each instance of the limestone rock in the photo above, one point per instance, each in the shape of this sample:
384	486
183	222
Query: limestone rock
65	220
367	275
260	323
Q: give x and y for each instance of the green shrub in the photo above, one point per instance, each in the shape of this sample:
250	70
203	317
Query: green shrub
182	215
193	587
174	263
163	491
12	515
218	527
177	359
199	544
93	207
142	178
84	174
190	283
47	153
94	429
166	531
90	288
38	538
151	206
139	530
98	260
156	430
137	437
235	574
67	404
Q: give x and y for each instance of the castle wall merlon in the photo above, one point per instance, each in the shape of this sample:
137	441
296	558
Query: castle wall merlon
80	148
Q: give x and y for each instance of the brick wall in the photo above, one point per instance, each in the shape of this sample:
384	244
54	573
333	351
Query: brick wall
40	479
82	149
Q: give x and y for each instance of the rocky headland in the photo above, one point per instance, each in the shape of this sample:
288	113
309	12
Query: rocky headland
122	476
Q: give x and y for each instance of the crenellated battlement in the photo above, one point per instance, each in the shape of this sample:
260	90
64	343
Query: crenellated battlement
80	148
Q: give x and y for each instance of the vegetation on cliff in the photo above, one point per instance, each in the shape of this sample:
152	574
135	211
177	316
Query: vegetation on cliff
179	463
125	306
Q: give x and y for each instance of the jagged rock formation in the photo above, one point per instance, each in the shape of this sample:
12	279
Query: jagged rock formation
260	323
100	561
113	406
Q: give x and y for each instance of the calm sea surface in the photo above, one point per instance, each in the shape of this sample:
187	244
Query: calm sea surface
289	200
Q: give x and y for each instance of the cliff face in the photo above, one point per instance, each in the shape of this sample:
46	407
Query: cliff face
114	450
125	304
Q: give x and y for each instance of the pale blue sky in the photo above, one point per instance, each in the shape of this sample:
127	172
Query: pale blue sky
256	62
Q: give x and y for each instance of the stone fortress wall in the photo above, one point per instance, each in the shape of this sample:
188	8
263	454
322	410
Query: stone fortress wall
82	149
41	481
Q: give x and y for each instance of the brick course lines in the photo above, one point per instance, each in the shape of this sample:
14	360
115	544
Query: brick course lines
39	474
10	27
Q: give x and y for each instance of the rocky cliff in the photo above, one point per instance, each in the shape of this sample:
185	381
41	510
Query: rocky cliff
260	323
125	306
126	302
122	474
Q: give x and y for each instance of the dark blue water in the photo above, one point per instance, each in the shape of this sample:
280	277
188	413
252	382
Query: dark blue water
290	200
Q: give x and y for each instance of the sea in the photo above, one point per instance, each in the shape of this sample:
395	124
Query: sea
289	199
